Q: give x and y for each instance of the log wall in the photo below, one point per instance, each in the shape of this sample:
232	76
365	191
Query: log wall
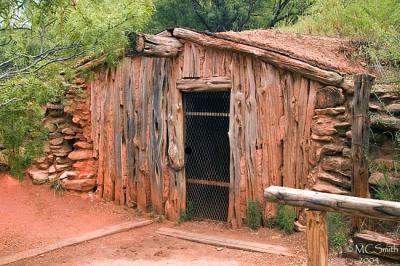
284	130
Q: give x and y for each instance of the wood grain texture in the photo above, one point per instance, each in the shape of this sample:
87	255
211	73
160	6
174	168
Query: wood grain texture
317	238
157	46
380	209
360	139
282	61
225	242
205	84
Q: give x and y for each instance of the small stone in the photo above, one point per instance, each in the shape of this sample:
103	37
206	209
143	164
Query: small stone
55	135
57	141
43	166
80	155
394	108
38	176
374	107
330	111
331	149
55	147
41	160
346	152
324	126
337	164
87	176
82	185
68	174
349	134
83	145
52	169
220	249
50	127
322	138
85	166
68	131
63	160
76	119
329	96
62	167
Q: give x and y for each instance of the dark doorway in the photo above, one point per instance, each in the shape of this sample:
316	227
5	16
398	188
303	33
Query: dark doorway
207	153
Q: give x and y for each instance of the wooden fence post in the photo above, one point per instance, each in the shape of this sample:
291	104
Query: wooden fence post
317	238
360	139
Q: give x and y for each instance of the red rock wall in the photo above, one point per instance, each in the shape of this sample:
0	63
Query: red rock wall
69	153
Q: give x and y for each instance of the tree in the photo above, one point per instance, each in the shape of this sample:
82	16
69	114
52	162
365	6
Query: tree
225	15
39	39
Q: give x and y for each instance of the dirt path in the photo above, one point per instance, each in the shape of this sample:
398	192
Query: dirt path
32	216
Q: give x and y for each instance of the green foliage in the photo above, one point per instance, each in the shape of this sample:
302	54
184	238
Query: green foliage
237	15
376	23
338	230
387	190
253	214
186	215
38	41
21	135
285	218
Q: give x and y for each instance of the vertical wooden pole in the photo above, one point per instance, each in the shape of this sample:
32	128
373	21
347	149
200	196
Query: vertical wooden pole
360	139
317	238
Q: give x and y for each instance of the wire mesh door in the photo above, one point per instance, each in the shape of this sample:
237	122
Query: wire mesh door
207	153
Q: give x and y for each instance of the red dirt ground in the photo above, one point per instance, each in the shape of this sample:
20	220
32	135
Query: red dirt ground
33	216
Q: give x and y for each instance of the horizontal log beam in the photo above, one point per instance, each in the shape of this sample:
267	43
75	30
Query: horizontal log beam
379	209
157	46
205	84
279	60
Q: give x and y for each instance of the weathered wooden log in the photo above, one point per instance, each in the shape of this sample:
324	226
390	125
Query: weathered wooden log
157	46
317	238
205	84
282	61
360	138
380	209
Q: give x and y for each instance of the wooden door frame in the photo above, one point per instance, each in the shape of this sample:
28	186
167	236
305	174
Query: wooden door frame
209	84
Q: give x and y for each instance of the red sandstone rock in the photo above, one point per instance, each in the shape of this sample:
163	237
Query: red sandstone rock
57	141
329	97
324	126
38	176
68	174
85	166
80	155
337	164
68	131
82	185
83	145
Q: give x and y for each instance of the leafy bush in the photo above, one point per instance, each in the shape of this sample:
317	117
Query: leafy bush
338	230
253	214
375	23
186	215
387	190
285	218
21	136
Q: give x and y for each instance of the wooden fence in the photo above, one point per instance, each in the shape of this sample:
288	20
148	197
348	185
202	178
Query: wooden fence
318	204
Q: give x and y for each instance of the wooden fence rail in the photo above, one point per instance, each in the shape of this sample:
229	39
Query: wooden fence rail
318	204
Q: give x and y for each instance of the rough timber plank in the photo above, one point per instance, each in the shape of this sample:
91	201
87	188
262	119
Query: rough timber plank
110	230
225	242
283	61
360	139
